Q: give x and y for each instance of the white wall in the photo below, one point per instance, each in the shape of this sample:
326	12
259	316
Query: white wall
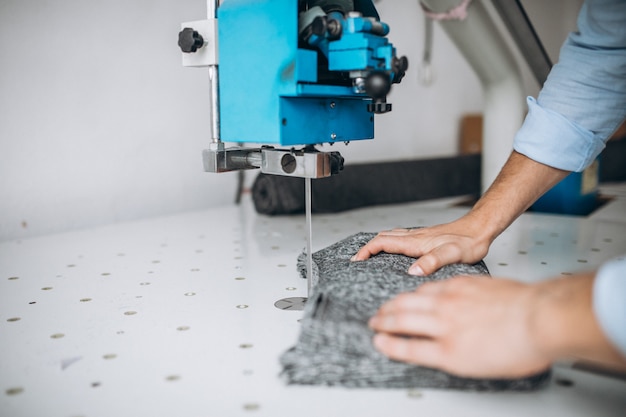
100	123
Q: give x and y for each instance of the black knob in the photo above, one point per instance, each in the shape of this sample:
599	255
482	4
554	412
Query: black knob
319	26
377	85
379	107
190	40
399	65
336	163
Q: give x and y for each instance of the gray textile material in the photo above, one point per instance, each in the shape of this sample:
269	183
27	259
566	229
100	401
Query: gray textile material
335	344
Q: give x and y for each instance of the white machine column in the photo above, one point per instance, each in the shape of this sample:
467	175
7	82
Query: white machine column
481	43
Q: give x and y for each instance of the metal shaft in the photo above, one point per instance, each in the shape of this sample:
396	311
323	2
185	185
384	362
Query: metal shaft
215	103
309	235
212	6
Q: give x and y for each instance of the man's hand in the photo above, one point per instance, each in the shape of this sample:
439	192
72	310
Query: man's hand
468	326
459	241
493	328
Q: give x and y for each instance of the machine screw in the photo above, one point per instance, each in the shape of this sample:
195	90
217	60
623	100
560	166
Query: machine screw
334	29
333	136
288	163
333	105
358	85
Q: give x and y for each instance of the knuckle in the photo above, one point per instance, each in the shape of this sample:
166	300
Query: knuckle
429	263
403	322
404	349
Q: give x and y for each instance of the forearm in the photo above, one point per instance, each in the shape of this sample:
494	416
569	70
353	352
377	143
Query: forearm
563	323
520	183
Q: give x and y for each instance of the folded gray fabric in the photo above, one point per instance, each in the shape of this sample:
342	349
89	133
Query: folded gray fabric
335	345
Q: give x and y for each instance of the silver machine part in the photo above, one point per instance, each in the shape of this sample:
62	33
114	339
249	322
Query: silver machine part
215	103
291	303
218	158
293	163
212	6
310	280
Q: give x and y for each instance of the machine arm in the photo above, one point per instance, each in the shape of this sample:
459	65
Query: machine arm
291	74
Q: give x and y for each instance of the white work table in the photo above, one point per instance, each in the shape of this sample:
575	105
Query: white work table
175	316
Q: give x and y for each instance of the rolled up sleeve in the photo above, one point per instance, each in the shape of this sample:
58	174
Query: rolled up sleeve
584	98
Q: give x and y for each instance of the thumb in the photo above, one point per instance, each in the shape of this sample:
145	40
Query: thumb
435	259
421	268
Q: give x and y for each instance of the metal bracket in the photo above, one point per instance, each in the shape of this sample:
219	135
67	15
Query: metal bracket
207	54
304	163
218	158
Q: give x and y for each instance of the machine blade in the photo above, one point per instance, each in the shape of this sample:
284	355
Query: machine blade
297	303
309	236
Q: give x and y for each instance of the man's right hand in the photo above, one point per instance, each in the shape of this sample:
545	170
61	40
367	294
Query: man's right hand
458	241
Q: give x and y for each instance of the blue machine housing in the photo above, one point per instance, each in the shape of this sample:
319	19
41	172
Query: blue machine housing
269	90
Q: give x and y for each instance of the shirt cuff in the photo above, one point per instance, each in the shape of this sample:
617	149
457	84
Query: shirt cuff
549	138
609	301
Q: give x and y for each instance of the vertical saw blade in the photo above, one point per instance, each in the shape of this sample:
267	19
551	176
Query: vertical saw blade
309	236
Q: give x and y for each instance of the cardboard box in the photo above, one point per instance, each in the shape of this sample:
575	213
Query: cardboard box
471	135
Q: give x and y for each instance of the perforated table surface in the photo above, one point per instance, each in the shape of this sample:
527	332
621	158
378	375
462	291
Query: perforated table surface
175	316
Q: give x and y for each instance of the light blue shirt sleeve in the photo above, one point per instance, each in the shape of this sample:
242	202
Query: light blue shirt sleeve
609	301
583	101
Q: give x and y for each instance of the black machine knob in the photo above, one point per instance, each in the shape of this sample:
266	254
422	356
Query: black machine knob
336	163
377	86
399	65
190	40
379	107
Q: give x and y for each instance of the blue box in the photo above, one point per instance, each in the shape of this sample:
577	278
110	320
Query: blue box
576	194
268	86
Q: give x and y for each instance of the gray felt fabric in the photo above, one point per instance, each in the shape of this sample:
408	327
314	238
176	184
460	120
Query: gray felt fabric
335	344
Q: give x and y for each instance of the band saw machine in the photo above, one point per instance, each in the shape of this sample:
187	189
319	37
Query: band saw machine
287	75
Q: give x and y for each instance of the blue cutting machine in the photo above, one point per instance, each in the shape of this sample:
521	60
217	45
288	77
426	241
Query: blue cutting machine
292	73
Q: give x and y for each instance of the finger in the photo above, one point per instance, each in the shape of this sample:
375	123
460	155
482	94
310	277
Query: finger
365	252
425	352
432	288
368	250
430	262
409	302
389	244
408	323
416	270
